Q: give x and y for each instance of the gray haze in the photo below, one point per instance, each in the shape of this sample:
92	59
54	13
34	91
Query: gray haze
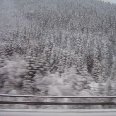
111	1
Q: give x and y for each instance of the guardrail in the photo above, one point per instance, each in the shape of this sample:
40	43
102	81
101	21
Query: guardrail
109	102
10	95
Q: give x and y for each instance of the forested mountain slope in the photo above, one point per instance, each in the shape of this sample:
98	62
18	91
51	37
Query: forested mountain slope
57	47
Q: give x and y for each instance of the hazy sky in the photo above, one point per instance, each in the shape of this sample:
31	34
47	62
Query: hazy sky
112	1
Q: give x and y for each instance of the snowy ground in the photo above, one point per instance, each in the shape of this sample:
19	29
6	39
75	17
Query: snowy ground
58	113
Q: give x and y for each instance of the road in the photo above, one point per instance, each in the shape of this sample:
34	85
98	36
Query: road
57	112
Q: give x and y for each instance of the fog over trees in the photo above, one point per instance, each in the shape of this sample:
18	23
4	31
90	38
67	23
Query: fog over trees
57	47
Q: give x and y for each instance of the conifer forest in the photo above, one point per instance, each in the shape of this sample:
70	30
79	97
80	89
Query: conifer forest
57	48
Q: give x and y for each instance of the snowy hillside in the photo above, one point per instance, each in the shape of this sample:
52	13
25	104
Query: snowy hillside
57	47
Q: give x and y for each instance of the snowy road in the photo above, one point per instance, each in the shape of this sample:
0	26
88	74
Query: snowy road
58	113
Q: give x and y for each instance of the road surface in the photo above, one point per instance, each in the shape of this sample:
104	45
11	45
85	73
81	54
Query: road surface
57	112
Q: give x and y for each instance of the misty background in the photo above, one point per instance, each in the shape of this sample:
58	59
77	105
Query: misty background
112	1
